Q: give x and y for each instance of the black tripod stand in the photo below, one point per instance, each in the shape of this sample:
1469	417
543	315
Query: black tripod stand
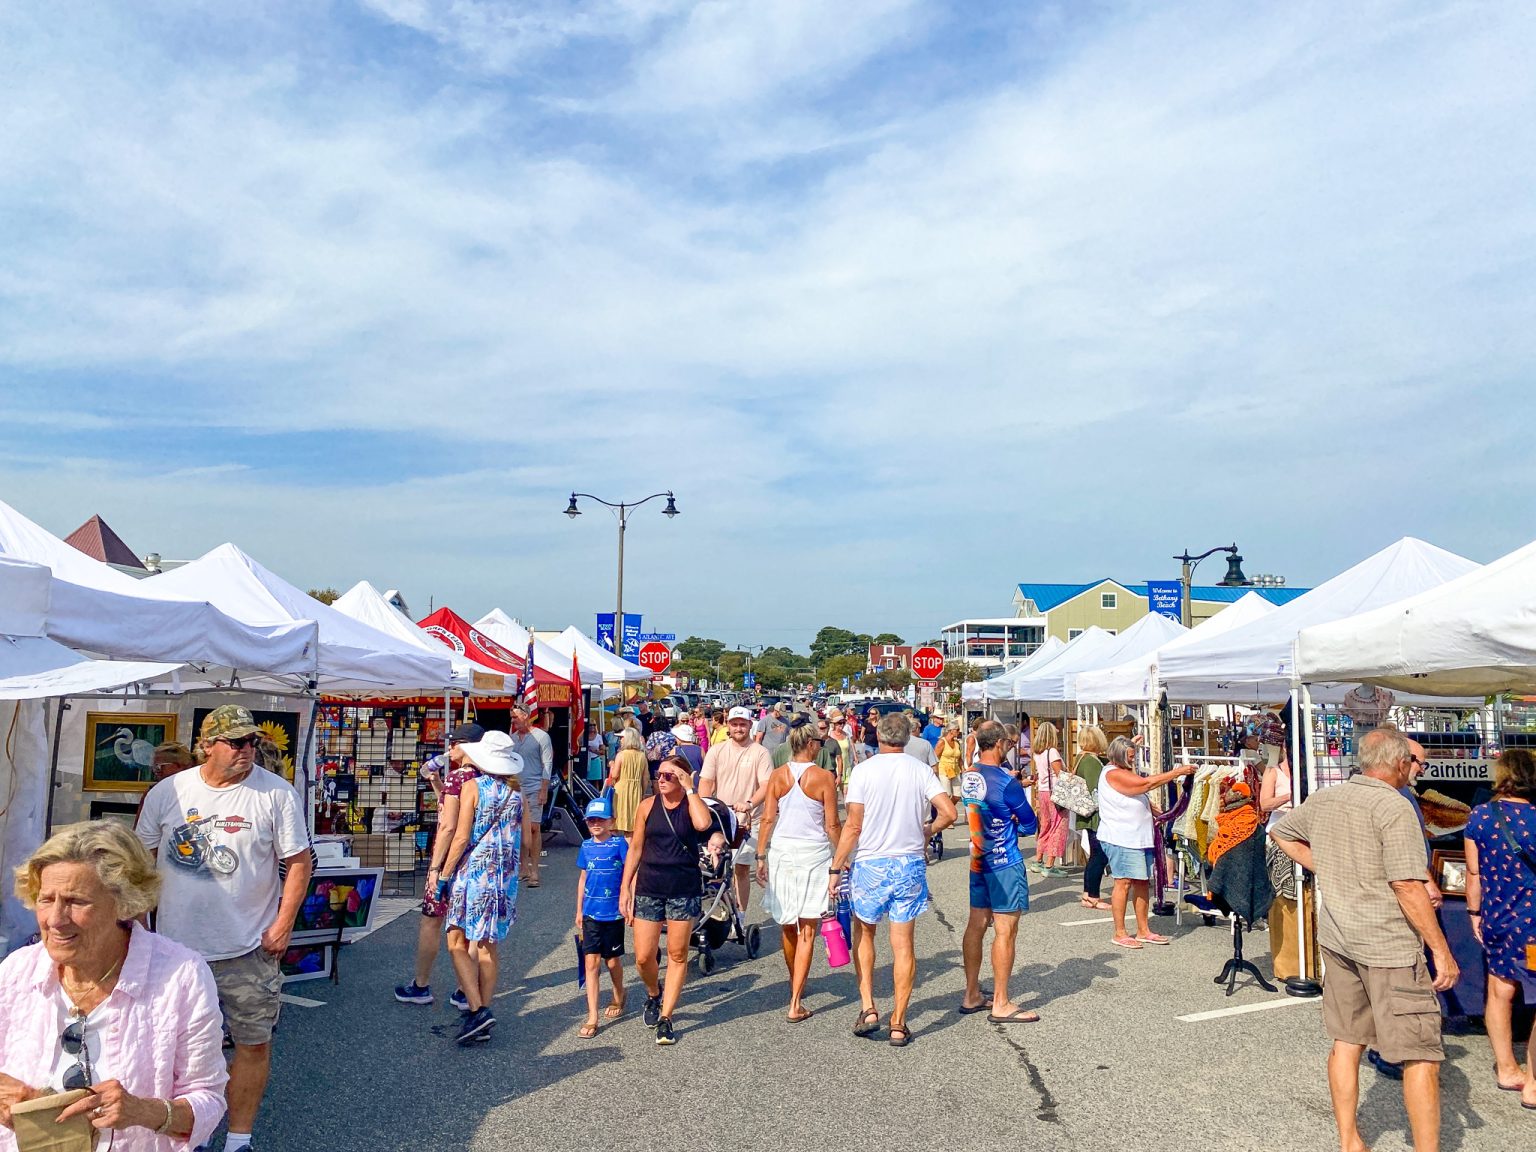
1238	964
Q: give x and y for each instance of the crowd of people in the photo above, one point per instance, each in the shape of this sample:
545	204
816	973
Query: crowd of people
157	950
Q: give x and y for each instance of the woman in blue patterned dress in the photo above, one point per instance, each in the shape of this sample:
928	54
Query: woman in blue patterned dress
483	861
1501	898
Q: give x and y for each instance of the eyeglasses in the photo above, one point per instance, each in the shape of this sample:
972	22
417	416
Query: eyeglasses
72	1039
237	742
1414	760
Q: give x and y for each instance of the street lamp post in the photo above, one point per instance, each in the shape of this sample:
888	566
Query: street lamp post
624	509
1233	579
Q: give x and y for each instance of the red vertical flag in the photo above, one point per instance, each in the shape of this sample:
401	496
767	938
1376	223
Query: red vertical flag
578	719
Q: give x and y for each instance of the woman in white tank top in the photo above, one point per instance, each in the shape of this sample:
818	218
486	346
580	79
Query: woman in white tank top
1125	834
799	829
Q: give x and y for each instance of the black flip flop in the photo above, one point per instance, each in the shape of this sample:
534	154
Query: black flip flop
964	1011
866	1025
1022	1016
906	1036
809	1012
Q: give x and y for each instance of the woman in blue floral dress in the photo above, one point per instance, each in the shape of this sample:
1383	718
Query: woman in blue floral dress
483	861
1501	897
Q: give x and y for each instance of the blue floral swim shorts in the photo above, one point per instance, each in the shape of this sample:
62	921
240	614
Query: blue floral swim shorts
894	886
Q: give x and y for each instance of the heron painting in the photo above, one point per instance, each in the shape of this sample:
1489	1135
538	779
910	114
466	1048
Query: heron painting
120	749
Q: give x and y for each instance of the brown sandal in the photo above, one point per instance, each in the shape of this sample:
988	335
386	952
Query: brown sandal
587	1031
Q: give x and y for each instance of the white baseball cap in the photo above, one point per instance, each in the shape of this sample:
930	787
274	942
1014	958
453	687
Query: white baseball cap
738	713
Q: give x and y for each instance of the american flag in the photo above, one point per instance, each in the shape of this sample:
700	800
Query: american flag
527	690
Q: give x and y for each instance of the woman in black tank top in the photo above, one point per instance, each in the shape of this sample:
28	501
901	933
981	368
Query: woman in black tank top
662	885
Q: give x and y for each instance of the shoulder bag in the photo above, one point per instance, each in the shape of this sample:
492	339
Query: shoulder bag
1070	791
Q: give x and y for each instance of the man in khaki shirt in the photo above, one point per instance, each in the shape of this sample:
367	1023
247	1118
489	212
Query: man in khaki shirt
733	772
1364	843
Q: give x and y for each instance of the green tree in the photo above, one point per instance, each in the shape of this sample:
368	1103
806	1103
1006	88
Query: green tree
325	595
958	673
830	642
833	670
698	648
895	679
888	638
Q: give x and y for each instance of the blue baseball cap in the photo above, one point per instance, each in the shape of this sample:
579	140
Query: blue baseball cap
599	809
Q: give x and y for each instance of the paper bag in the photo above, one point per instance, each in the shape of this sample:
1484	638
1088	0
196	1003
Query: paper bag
36	1130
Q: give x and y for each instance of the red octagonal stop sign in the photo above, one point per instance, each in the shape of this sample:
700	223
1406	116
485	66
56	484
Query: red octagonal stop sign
655	657
927	663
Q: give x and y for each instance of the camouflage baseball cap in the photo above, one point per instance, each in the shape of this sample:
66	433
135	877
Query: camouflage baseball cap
227	721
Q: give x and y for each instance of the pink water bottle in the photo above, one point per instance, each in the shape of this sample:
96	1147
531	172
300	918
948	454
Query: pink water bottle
837	943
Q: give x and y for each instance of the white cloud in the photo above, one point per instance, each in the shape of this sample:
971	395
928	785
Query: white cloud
1292	244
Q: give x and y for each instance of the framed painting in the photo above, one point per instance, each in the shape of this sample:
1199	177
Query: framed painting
306	962
120	749
125	811
1450	872
339	900
279	739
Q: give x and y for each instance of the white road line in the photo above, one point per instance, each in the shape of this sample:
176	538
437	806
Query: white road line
1075	923
1244	1009
301	1001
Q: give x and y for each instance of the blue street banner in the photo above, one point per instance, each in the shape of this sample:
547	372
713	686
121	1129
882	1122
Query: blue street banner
1166	598
822	687
632	636
845	683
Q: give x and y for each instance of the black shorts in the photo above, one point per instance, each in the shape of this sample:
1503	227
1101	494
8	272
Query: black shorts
603	938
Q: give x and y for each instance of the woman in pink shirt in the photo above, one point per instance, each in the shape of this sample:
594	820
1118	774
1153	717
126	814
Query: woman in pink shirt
105	1005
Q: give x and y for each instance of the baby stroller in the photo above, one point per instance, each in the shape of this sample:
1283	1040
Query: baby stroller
721	919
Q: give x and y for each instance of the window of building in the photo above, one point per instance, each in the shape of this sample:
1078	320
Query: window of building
1109	600
1074	633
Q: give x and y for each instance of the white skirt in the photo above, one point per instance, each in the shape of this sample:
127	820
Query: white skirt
797	879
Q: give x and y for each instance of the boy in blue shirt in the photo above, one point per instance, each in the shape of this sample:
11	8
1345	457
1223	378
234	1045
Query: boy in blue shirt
598	923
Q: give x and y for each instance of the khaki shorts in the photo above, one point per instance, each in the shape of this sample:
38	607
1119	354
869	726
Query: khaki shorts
1393	1010
249	987
746	855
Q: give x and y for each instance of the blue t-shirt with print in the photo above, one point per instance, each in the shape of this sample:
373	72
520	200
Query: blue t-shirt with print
604	865
996	806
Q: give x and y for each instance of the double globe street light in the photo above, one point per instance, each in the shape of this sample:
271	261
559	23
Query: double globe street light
624	508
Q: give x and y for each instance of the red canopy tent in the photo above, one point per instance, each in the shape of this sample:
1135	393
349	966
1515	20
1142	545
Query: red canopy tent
463	637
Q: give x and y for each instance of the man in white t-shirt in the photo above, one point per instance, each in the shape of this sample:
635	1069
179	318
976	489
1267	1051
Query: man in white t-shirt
885	835
220	831
733	772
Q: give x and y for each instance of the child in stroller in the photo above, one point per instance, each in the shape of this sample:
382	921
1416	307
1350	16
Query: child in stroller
721	920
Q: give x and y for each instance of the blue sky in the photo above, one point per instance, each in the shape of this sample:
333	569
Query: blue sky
907	301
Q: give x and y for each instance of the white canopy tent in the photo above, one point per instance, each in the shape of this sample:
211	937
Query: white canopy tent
1146	635
510	634
97	609
996	688
1474	635
1255	664
367	605
33	668
351	659
613	669
1135	681
1048	681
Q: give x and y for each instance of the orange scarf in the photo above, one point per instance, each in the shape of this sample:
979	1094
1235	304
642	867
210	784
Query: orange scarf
1238	819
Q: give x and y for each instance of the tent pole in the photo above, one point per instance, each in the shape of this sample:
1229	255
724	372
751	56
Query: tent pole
53	765
1301	707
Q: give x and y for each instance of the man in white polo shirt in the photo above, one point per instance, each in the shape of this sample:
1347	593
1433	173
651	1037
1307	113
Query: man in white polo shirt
733	772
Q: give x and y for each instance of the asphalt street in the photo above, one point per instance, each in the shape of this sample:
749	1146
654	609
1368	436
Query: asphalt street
1110	1066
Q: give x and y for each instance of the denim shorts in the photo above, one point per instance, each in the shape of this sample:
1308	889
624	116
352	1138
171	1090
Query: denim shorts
894	886
1128	863
661	908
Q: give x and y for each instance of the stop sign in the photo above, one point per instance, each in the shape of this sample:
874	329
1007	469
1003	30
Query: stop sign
655	657
927	663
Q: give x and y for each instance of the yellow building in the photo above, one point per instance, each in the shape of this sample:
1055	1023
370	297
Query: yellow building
1069	609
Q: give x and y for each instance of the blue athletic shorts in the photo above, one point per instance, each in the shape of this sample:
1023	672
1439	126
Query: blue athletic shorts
894	886
1128	863
1006	890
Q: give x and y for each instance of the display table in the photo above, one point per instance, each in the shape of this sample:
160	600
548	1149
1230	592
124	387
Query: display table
1466	999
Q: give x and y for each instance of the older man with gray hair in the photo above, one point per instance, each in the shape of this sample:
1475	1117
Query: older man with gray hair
889	796
1365	845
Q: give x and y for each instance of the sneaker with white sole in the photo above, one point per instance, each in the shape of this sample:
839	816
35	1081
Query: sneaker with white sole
459	1000
475	1024
413	993
652	1012
664	1035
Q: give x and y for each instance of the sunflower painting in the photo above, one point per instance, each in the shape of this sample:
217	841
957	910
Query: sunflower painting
277	741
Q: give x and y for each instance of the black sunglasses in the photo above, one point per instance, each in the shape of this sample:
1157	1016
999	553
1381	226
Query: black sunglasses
237	742
72	1039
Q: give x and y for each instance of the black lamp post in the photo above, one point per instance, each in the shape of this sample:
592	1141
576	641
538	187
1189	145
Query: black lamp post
1233	579
624	509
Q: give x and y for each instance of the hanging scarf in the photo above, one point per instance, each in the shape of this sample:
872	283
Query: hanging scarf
1238	818
1160	825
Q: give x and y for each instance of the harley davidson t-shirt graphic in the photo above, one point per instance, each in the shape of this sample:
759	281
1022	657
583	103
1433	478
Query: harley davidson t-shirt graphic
218	853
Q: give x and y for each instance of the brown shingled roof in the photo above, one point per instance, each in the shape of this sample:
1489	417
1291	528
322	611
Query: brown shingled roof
96	539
